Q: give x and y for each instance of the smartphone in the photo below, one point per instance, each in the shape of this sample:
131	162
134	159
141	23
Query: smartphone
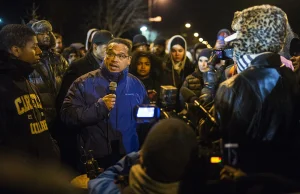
219	53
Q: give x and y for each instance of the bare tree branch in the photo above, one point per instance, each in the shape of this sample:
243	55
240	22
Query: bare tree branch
32	13
119	16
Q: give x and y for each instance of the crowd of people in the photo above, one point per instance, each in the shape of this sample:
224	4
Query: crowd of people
62	106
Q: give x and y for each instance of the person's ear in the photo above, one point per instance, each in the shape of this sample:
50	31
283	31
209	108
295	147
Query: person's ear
129	60
16	51
94	46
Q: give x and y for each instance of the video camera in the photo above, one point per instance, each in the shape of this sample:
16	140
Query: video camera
91	165
147	113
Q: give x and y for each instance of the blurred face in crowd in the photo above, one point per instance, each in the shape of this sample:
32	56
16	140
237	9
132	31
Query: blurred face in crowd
177	53
58	45
142	48
72	57
143	66
158	49
82	51
99	50
30	53
44	38
117	57
202	64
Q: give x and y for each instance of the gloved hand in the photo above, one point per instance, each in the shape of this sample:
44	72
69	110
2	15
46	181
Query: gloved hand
210	77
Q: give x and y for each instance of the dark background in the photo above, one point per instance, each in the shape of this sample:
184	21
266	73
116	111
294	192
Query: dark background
206	16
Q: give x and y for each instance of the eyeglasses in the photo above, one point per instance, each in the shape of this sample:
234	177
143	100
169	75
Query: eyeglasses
118	56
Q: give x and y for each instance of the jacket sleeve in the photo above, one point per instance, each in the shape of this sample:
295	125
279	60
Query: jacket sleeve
75	112
105	182
69	77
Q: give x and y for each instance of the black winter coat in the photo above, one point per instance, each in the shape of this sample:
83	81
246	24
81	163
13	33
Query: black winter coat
23	126
78	68
167	76
259	110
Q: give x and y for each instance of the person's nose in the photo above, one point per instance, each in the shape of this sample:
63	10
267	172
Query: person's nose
38	51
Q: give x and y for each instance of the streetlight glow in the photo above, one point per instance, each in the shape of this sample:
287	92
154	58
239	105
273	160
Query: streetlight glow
200	39
143	28
156	19
188	25
196	34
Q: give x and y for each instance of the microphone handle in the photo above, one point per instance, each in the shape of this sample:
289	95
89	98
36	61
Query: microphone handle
211	118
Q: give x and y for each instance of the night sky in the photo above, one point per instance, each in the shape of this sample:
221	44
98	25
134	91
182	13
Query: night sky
206	16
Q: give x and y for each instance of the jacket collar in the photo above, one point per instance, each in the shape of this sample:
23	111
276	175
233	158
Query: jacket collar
268	59
114	77
91	59
14	67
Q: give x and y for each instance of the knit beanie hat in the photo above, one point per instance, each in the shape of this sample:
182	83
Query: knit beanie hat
179	41
168	149
205	53
259	29
41	26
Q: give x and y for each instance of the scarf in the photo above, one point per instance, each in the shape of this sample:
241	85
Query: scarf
141	183
244	61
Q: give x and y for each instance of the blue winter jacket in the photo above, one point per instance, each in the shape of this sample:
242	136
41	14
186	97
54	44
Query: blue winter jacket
100	130
106	181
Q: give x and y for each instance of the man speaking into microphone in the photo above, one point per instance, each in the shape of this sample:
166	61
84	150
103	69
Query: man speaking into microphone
99	106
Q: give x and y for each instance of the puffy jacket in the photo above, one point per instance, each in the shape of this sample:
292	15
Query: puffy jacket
47	76
102	131
194	82
259	110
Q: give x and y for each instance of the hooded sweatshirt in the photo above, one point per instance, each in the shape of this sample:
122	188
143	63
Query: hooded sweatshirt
23	128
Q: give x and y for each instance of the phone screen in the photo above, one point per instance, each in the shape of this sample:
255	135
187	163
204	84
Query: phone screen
219	53
145	112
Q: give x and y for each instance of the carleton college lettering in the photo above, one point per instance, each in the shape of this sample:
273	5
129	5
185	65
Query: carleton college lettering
38	127
27	102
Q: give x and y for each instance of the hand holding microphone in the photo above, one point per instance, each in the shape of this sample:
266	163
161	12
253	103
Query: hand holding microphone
110	99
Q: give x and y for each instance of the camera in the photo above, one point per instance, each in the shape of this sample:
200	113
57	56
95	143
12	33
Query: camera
224	54
147	113
91	165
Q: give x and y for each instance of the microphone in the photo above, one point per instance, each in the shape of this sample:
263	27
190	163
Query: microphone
190	96
112	87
